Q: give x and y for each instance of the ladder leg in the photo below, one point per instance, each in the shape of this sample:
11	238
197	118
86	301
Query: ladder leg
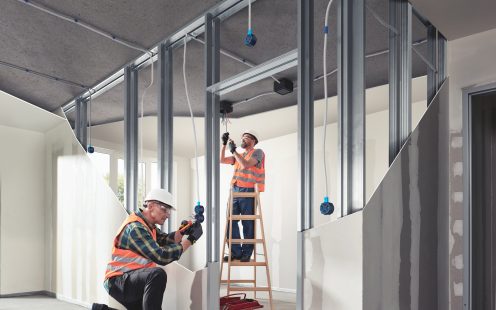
230	244
255	210
265	252
224	244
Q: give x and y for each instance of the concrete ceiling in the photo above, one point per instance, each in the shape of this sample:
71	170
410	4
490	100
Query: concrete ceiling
39	41
458	18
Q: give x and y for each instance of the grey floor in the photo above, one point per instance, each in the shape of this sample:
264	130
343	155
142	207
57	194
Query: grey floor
281	301
36	303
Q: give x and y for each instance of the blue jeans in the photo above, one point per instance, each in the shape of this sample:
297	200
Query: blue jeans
242	206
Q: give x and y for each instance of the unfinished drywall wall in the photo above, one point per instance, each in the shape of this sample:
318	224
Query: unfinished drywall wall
470	63
405	223
333	269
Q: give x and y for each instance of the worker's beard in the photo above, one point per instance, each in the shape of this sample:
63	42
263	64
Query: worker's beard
243	144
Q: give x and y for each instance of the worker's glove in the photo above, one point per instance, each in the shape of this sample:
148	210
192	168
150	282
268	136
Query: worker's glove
232	147
186	231
195	233
225	137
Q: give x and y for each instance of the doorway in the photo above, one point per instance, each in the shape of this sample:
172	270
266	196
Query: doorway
480	237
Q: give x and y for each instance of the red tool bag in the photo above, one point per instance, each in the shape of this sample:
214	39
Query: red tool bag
236	302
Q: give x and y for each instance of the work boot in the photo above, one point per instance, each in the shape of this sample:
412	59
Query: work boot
99	307
245	258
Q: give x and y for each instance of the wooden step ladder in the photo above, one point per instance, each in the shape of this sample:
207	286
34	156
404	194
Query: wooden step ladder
228	240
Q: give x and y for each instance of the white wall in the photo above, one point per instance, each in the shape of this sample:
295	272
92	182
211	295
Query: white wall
22	192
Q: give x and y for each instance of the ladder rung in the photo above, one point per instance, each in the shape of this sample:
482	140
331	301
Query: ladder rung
238	281
250	263
244	194
249	289
244	217
245	240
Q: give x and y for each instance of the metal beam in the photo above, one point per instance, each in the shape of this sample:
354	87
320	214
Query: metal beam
351	107
222	10
81	122
400	76
305	137
165	121
432	83
441	54
131	138
212	162
252	75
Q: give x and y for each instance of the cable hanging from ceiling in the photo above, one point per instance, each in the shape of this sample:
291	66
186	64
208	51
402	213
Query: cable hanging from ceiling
326	207
198	205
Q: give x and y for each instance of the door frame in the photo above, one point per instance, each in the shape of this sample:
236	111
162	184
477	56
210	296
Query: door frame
468	93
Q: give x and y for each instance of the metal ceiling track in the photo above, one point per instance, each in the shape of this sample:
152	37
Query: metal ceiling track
223	11
262	71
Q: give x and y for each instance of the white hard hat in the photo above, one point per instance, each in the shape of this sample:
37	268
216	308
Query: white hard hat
252	133
161	195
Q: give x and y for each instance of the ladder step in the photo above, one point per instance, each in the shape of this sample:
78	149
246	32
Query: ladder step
244	194
237	281
249	289
250	263
244	217
245	240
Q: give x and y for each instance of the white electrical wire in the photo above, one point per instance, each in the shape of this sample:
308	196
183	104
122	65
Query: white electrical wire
89	118
249	15
192	120
326	30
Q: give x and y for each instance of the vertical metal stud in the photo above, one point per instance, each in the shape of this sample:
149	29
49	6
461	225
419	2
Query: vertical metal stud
212	132
351	107
165	121
81	122
131	138
305	137
400	75
441	41
432	83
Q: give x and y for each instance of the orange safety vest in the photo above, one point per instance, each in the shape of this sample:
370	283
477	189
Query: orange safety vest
126	260
251	176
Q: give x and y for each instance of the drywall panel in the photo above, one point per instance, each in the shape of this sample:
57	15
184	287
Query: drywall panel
83	218
22	263
405	223
20	114
333	269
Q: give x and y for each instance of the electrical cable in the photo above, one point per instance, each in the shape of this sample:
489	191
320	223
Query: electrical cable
249	17
89	147
192	121
326	207
83	24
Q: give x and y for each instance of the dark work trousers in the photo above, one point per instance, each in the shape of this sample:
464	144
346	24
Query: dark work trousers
242	206
141	289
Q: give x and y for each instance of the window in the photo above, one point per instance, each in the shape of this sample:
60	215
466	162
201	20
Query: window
154	176
120	180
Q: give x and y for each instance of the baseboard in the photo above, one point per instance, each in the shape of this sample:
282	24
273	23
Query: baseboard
27	294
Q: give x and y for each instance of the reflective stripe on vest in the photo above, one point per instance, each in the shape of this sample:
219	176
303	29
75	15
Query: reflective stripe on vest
126	260
251	176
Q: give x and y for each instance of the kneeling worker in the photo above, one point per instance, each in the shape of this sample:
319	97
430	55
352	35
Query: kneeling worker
132	277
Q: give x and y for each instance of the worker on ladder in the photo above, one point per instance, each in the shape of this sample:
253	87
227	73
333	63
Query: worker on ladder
249	172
